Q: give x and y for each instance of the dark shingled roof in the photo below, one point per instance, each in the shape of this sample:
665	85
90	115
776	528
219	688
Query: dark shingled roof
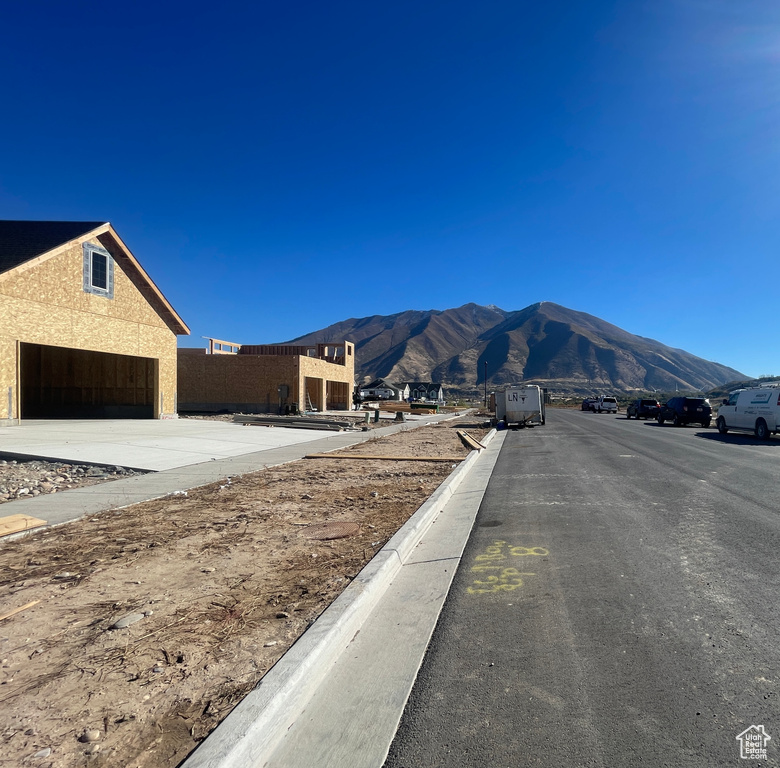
380	384
419	384
21	241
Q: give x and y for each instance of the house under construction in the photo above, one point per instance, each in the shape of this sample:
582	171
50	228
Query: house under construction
266	378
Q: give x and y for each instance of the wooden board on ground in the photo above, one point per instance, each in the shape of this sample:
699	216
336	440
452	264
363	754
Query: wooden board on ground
16	523
369	457
469	440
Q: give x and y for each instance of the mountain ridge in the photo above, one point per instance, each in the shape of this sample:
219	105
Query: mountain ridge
543	343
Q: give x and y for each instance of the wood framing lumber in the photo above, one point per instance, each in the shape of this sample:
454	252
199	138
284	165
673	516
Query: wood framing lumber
370	457
18	610
470	441
16	523
321	427
292	421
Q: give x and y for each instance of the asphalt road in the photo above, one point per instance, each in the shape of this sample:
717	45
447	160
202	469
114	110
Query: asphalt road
617	605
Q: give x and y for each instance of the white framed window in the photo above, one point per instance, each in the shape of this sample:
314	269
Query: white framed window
98	271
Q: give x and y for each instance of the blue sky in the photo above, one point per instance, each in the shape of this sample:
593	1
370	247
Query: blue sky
278	167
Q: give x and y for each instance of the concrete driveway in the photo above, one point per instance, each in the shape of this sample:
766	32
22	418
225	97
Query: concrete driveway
145	444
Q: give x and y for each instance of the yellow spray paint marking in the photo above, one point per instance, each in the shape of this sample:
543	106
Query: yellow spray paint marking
525	551
492	572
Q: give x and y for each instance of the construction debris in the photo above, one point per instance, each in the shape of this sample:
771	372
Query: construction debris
469	441
294	422
17	523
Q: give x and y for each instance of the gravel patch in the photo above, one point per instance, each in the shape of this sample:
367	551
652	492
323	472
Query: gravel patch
25	479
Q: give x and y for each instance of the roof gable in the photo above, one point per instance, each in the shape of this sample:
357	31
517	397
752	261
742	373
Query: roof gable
380	384
24	244
420	384
21	241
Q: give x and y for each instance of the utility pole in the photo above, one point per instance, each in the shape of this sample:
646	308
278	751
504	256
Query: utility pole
485	383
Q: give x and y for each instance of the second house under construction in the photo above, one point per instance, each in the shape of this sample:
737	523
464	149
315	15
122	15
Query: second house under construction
266	378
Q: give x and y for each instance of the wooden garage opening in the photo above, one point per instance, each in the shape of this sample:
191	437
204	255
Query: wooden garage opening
314	394
338	395
62	383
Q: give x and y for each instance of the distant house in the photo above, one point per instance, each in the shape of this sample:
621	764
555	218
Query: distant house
423	390
381	389
84	332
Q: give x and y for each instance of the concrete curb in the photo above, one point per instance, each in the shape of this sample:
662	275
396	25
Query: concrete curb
250	733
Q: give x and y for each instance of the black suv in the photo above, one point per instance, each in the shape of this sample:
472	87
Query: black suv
686	410
643	409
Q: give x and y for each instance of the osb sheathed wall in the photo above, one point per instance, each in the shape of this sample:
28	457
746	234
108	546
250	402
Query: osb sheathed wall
234	382
313	368
8	389
46	304
250	383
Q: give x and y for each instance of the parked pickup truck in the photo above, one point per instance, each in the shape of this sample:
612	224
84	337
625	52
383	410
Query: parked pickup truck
604	405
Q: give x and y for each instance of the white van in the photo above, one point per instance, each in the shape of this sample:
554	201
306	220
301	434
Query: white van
751	410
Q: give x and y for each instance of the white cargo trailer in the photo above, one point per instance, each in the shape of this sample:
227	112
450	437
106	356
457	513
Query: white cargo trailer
520	406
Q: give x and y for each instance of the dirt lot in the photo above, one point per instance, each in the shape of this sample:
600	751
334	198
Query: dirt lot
218	583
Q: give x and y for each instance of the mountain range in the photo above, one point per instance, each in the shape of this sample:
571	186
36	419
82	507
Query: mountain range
544	343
